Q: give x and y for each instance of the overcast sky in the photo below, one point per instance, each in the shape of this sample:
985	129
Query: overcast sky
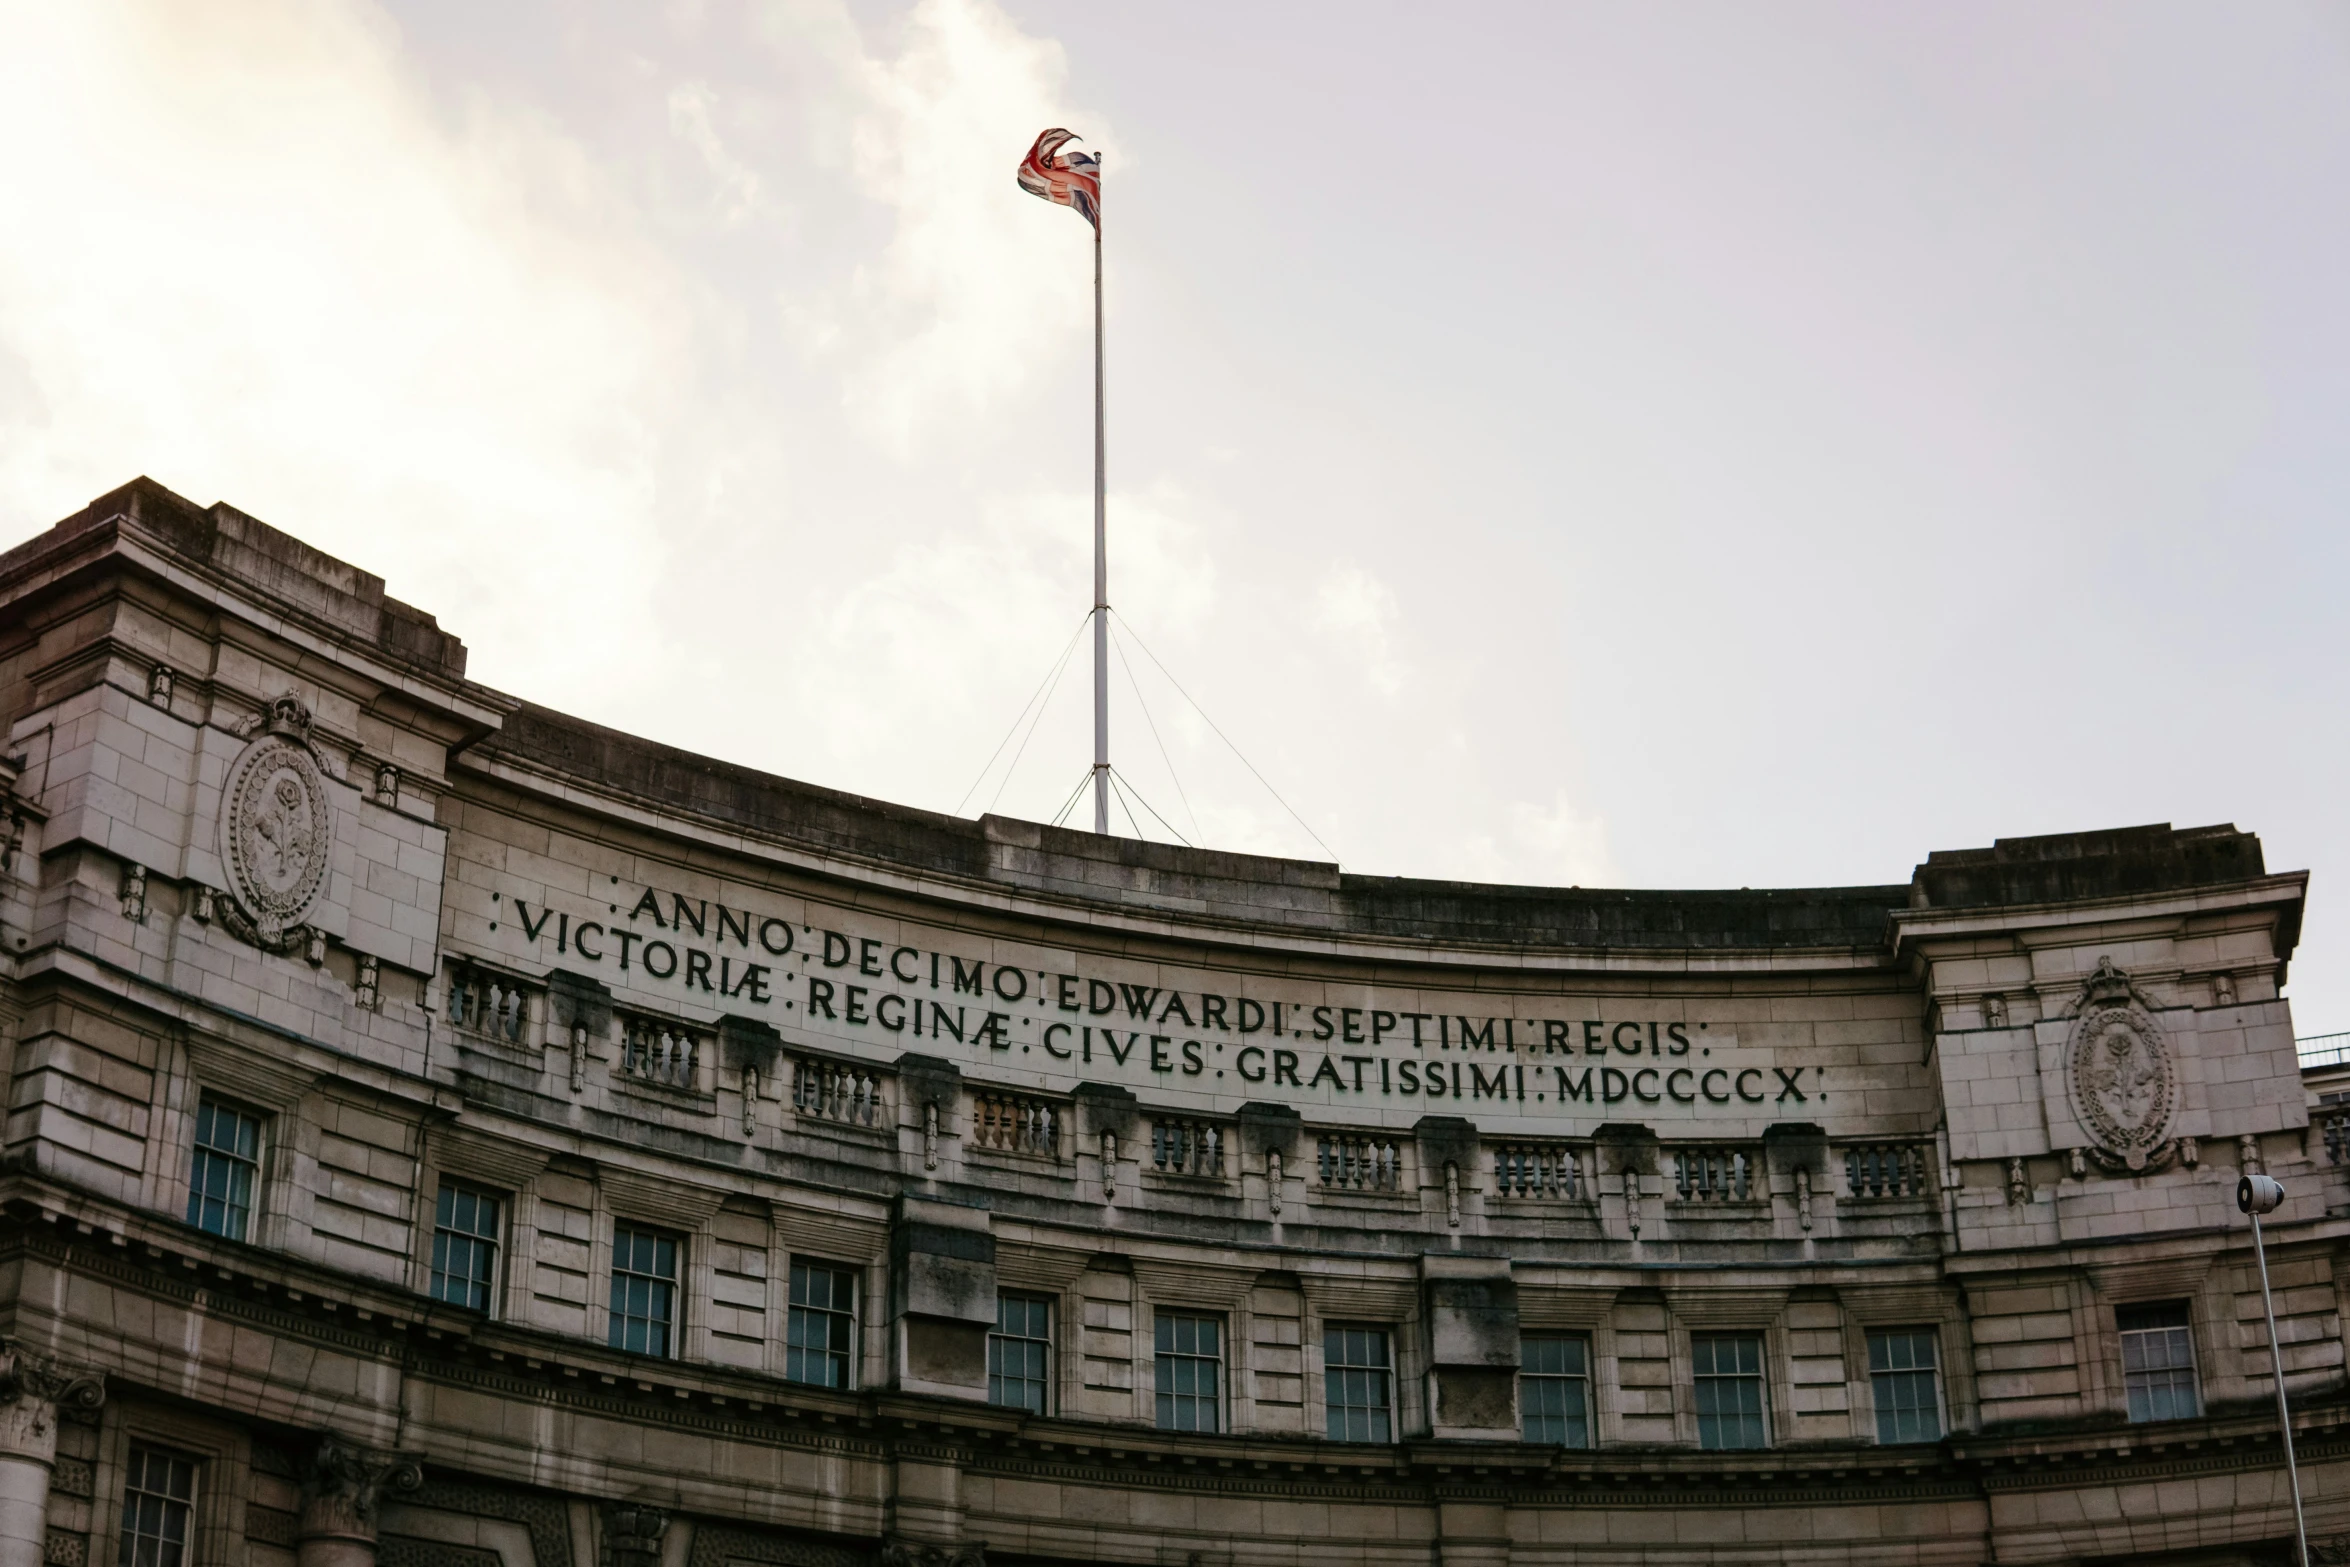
1642	445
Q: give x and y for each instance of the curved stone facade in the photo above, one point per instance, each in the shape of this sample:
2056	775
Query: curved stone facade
445	1131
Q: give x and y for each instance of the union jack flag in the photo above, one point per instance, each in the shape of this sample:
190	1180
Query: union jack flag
1073	179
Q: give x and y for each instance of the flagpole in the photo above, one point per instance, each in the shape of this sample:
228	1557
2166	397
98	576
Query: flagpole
1101	569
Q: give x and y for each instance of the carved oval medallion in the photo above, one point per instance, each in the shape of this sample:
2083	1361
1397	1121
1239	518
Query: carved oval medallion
276	834
2123	1083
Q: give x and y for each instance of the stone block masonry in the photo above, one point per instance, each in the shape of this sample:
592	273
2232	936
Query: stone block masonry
444	1133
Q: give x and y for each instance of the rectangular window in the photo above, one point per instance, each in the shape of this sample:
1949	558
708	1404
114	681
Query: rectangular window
222	1172
821	1334
2158	1361
158	1497
1903	1370
1730	1392
1357	1383
465	1246
1020	1353
1554	1391
644	1291
1190	1372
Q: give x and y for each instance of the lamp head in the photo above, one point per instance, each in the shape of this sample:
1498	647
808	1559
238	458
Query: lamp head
2258	1194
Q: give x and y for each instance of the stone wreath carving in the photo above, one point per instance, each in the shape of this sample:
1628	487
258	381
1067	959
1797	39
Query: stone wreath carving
2123	1077
276	829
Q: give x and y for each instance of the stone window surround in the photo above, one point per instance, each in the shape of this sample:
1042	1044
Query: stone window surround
184	1074
1147	1352
1777	1371
1954	1372
224	1478
1864	1413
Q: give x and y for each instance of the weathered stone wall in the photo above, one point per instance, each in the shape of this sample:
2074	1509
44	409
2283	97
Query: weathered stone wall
605	984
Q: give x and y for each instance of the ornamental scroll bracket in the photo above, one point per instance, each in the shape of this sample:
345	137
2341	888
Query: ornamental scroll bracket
2122	1075
277	829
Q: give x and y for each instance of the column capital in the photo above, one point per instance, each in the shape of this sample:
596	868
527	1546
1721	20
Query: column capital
343	1483
632	1534
33	1388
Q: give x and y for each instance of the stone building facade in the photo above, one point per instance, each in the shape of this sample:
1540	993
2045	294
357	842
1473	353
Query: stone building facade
444	1133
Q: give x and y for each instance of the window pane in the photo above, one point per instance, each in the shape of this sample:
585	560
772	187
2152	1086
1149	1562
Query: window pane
1190	1372
222	1167
158	1491
644	1291
1018	1353
1554	1401
2158	1361
1729	1392
820	1329
1902	1375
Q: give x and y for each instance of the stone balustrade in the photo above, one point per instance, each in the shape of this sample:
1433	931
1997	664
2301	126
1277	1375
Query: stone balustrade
1880	1170
837	1092
1018	1123
1186	1146
1359	1163
489	1004
1543	1170
1727	1173
2334	1135
661	1051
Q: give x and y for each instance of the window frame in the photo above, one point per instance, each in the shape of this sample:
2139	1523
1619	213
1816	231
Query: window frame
126	1537
845	1318
616	1317
1165	1356
492	1281
1579	1380
1940	1407
2185	1328
1379	1422
209	1106
1703	1381
998	1337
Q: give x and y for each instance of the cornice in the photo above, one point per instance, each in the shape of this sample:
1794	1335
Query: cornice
1087	922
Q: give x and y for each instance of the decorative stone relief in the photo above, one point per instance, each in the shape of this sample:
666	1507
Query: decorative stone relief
159	683
134	894
387	786
1995	1012
276	830
2121	1074
343	1484
370	986
898	1552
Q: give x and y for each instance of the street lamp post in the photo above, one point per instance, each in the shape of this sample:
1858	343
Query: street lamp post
2256	1195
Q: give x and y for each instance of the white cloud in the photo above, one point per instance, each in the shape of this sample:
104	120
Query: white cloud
1552	844
1360	611
736	195
254	259
972	292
